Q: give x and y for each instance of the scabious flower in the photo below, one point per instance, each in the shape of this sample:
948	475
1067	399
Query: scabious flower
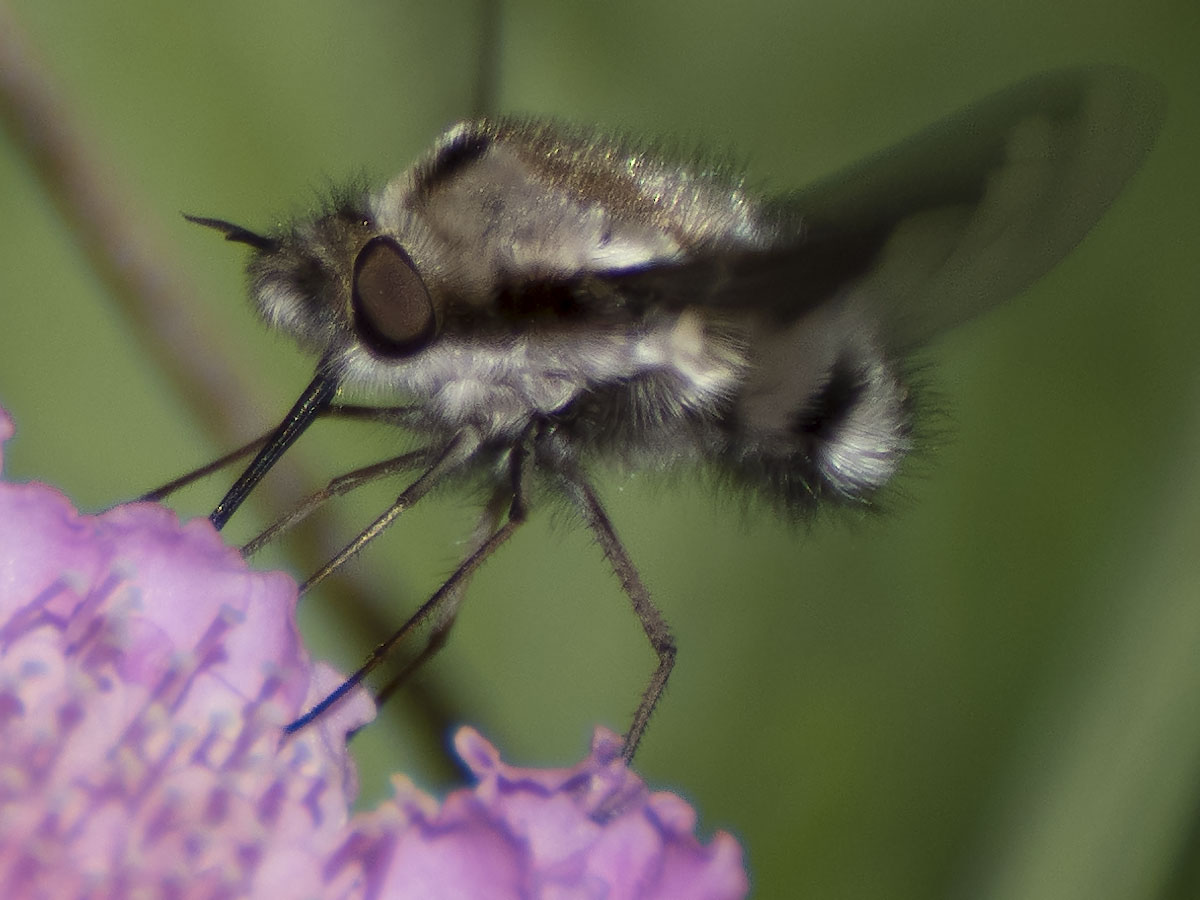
145	674
590	831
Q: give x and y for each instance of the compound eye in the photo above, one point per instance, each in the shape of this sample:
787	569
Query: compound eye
393	312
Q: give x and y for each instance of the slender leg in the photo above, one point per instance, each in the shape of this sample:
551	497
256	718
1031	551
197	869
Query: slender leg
489	522
390	415
653	624
458	452
343	484
195	475
441	607
399	416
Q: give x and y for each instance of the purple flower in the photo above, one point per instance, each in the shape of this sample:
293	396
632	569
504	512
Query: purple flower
145	674
591	831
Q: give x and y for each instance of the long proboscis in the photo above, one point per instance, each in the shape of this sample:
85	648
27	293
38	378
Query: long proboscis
314	400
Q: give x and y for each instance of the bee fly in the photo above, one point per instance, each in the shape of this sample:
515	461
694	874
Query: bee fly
542	299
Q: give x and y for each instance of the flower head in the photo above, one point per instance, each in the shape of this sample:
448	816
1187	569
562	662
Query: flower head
145	672
145	676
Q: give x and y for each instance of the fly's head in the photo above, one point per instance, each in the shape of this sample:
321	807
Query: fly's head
341	287
370	295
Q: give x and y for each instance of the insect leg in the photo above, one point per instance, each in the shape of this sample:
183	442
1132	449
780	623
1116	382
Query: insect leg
653	624
456	453
489	522
343	484
166	490
398	416
391	415
441	607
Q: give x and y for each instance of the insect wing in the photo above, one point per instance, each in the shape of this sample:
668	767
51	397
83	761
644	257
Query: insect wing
945	225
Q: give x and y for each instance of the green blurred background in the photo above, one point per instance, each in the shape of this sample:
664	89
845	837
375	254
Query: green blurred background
992	691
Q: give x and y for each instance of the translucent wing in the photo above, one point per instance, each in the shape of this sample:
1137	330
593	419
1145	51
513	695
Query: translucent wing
947	224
